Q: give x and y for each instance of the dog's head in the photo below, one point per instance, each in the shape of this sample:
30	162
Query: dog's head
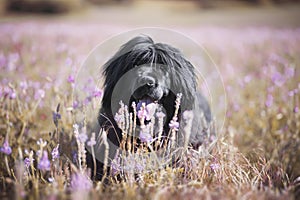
150	73
150	84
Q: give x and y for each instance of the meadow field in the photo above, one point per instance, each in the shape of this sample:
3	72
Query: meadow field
256	154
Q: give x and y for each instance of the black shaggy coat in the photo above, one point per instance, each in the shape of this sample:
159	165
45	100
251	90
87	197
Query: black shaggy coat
143	51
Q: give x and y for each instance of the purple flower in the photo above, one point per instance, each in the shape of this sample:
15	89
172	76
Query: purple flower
44	163
7	91
116	166
23	85
74	156
150	108
119	118
55	153
28	161
174	124
92	141
97	93
214	166
87	100
75	104
291	93
289	72
39	94
6	149
269	100
148	111
82	137
278	79
139	167
80	182
296	109
13	95
142	113
145	136
71	79
55	117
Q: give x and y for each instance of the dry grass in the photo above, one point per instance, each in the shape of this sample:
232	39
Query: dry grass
256	155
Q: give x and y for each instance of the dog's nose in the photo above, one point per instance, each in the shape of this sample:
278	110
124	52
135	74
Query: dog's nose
156	93
150	84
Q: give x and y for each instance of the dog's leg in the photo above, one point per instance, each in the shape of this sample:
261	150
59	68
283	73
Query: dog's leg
199	131
105	149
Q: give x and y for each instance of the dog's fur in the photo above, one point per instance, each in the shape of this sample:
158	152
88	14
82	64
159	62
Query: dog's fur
159	72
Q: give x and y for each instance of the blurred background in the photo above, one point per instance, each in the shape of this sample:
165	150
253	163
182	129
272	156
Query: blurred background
254	43
168	13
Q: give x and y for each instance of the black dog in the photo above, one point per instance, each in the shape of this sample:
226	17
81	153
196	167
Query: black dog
144	71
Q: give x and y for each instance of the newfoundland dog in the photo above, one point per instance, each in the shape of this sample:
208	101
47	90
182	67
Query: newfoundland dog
143	71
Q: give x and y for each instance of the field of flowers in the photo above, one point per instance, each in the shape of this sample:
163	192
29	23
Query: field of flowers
256	154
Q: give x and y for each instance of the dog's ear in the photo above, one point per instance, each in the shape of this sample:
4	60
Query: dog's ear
182	73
